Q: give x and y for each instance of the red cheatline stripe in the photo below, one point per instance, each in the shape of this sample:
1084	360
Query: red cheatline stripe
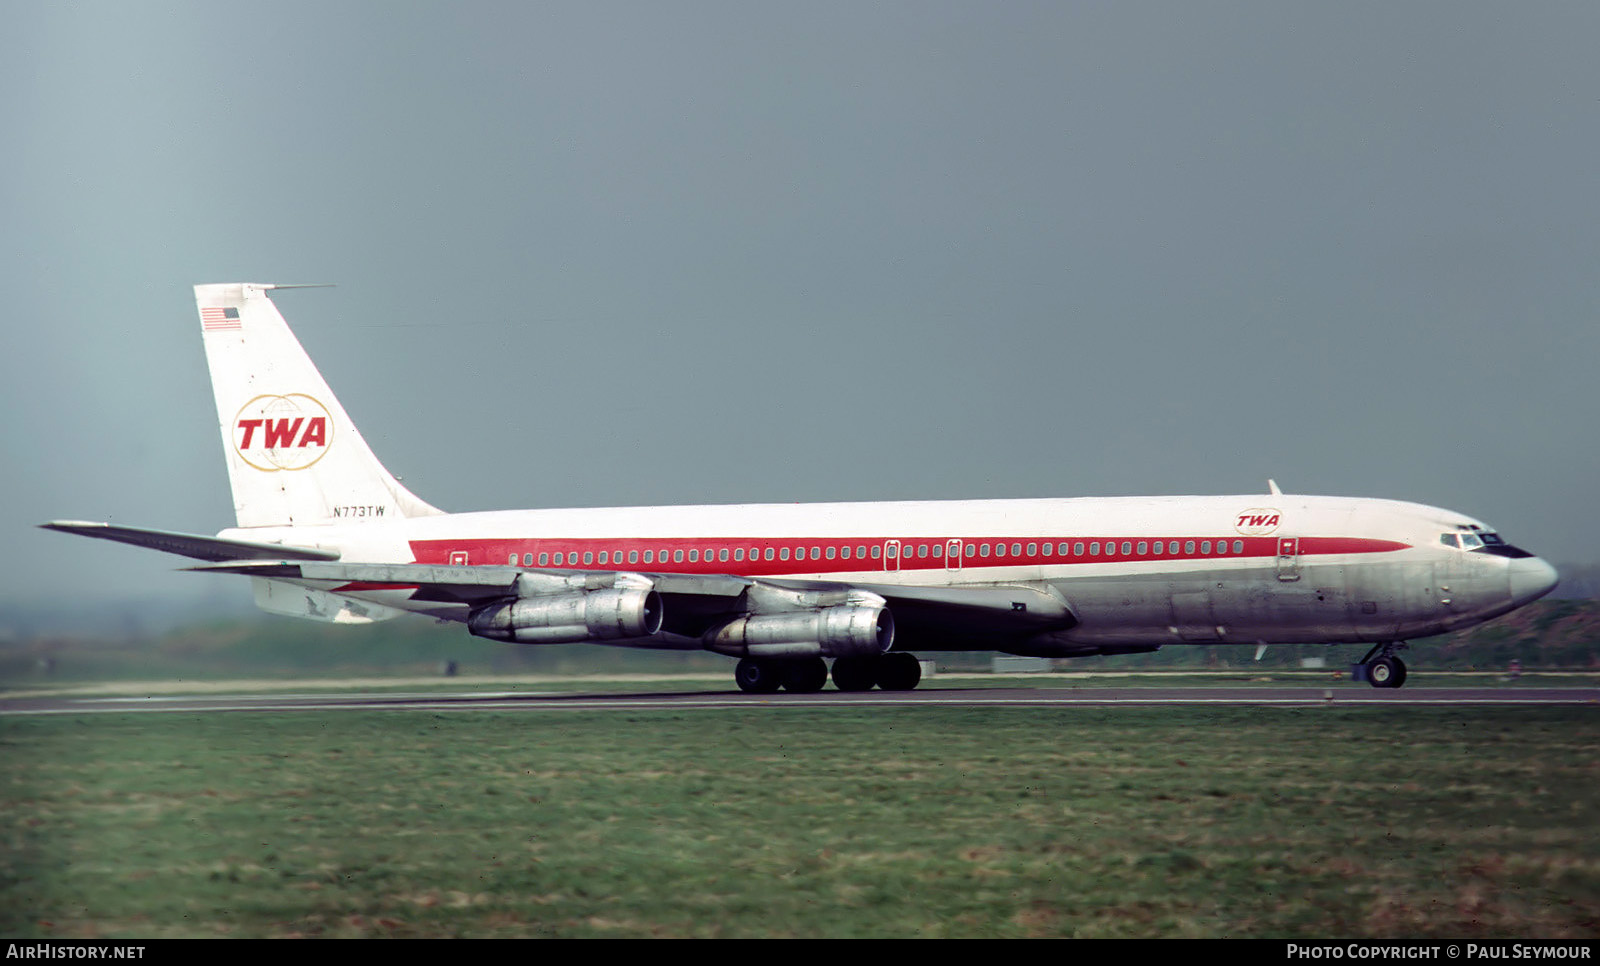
914	554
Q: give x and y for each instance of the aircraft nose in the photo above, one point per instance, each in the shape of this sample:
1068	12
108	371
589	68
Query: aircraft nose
1531	578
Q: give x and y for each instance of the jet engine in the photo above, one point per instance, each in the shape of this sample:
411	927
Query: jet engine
846	630
607	614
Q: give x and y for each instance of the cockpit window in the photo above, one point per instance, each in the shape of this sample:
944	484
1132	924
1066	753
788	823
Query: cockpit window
1477	539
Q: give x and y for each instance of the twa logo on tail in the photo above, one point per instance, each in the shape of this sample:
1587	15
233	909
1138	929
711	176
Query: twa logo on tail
290	432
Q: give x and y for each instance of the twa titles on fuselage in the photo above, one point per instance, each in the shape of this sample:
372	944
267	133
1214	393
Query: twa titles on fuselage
328	533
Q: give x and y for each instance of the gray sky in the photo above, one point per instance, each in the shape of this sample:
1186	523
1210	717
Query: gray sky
638	253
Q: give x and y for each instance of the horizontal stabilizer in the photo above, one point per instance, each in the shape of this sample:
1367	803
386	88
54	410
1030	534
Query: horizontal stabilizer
191	544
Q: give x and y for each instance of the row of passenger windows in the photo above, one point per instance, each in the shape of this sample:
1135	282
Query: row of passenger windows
892	551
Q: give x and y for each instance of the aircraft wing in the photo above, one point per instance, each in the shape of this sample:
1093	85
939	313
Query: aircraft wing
945	617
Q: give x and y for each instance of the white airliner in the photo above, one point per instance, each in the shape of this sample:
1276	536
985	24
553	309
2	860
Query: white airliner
325	532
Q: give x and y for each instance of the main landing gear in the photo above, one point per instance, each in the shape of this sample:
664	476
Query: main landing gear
1382	667
898	671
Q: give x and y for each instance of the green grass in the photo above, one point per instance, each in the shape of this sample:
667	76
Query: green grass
793	822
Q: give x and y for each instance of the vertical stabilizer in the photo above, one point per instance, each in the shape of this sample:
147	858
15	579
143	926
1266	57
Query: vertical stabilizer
294	457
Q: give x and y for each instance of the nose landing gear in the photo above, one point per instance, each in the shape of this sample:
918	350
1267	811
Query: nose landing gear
1382	667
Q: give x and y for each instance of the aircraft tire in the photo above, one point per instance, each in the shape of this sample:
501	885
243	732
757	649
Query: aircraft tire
1386	672
855	673
805	676
899	672
757	677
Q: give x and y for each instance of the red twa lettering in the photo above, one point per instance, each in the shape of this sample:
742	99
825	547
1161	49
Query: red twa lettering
280	433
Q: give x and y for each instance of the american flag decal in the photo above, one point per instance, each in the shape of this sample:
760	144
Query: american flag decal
217	318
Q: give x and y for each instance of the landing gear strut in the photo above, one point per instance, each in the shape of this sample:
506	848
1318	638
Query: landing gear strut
1382	667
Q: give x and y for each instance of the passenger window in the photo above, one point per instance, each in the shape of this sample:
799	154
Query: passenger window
1077	549
1238	546
983	550
1094	548
876	552
588	557
1127	548
783	553
1033	550
511	561
1205	546
722	555
1016	550
1143	547
832	553
1188	546
1157	546
603	557
558	559
738	554
649	556
816	553
694	556
891	551
969	550
922	550
677	556
938	550
544	560
861	552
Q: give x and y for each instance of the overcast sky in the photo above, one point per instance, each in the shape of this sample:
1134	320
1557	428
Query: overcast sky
652	253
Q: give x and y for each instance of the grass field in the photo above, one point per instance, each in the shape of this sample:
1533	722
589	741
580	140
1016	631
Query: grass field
917	822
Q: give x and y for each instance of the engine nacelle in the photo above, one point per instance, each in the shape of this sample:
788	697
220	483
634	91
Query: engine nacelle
609	614
850	630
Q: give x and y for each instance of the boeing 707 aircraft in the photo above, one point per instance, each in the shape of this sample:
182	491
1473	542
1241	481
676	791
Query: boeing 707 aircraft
326	532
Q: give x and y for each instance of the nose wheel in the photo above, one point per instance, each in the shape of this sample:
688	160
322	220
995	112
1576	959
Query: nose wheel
1382	667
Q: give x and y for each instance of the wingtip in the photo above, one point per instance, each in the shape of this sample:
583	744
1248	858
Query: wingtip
70	525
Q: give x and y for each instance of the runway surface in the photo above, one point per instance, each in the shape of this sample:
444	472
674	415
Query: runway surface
974	697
